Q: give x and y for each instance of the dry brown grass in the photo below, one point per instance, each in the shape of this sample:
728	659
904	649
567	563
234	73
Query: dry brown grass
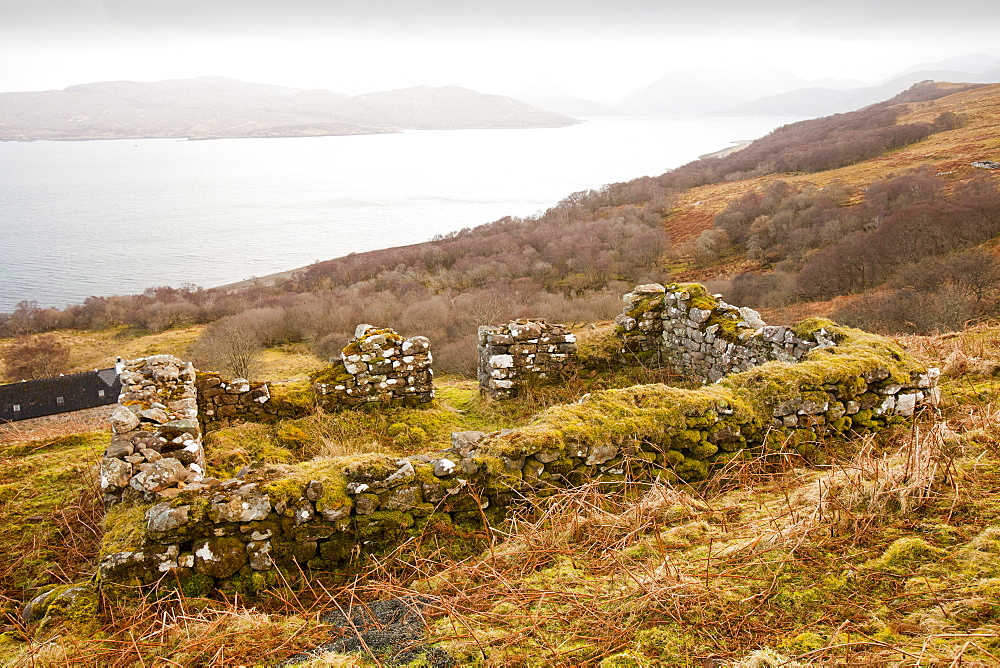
592	572
55	426
174	630
571	579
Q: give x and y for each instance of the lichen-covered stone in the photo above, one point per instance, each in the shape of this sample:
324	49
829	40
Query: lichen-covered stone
239	508
114	473
165	517
402	499
259	555
123	420
163	474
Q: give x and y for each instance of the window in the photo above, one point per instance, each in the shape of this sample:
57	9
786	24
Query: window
100	393
17	408
60	401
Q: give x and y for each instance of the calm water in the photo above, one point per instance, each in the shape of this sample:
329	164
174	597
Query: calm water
115	217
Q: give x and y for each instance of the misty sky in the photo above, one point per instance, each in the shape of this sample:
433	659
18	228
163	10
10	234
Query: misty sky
600	49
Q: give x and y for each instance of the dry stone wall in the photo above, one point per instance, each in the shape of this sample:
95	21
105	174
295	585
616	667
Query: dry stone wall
224	403
376	366
326	515
270	524
703	337
156	443
166	404
523	352
320	515
379	365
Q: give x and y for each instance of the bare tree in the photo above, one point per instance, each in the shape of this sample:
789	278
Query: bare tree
232	345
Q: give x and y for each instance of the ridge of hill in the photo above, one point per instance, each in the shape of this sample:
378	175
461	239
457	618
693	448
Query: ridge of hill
216	107
823	101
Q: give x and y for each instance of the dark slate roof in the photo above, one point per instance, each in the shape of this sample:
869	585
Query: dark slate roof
61	394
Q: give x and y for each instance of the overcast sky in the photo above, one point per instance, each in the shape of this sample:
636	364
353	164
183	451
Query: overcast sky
600	49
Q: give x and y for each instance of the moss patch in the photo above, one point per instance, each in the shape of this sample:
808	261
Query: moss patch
124	528
44	484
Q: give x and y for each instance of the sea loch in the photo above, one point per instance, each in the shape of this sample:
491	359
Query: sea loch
215	212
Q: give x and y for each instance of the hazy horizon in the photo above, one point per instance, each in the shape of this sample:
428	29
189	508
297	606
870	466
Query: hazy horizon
594	49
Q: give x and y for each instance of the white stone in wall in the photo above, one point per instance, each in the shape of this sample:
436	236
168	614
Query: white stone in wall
751	317
239	385
123	420
906	403
501	361
887	404
698	315
929	378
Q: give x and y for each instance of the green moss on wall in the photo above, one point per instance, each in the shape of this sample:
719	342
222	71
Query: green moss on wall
124	528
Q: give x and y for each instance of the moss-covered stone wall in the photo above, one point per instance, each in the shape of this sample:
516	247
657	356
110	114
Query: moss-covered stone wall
684	327
224	403
376	366
522	353
327	515
156	443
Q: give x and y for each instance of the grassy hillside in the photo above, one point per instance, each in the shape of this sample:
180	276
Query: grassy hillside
950	151
887	555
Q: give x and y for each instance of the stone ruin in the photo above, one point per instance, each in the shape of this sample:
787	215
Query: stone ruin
156	443
379	365
522	353
224	403
789	390
702	337
166	405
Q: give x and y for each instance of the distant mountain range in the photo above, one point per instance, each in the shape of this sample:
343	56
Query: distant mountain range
214	107
551	96
759	91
